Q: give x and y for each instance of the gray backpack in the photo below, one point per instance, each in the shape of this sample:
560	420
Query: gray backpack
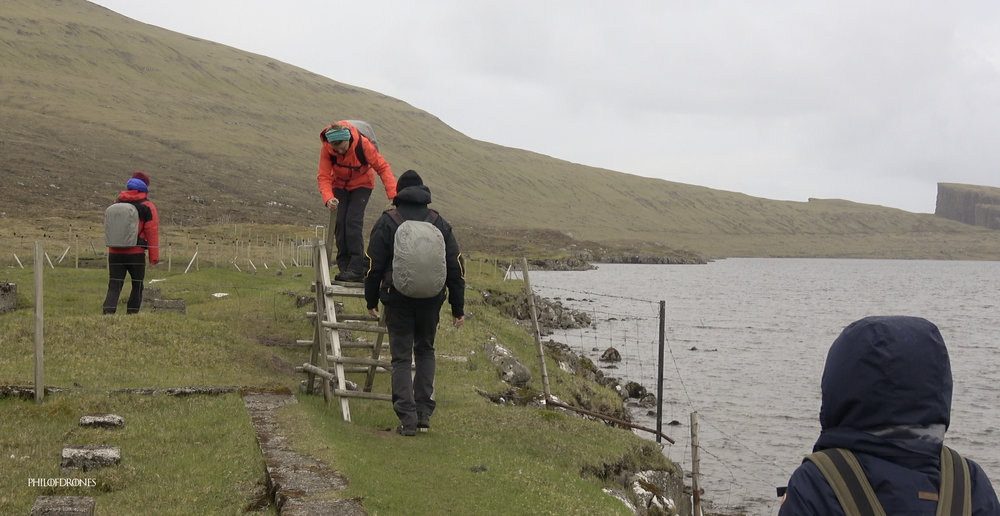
418	257
364	129
121	225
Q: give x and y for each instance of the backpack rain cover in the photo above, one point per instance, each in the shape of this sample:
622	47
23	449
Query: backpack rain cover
418	259
121	225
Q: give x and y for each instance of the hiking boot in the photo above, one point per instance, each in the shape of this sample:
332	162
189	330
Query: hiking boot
423	424
408	431
349	277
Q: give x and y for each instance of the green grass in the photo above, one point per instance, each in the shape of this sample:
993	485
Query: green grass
476	459
198	454
218	341
180	456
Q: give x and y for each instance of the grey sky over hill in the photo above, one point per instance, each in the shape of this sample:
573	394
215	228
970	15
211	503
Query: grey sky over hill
873	102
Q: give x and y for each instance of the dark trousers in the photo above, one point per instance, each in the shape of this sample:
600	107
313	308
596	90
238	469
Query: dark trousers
118	265
412	328
349	232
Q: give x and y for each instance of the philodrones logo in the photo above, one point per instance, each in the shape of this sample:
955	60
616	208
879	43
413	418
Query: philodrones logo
62	482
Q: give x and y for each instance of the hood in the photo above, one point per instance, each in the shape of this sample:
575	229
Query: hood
887	371
132	196
417	194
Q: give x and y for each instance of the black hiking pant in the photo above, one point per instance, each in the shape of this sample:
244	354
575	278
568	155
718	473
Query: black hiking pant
412	328
118	265
349	231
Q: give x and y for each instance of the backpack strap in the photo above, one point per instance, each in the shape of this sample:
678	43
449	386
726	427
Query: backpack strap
359	151
432	216
844	474
395	216
398	219
955	495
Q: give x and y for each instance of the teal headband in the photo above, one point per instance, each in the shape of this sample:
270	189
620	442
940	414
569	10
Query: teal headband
338	136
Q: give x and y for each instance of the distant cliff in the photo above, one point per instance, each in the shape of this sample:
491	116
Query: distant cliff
971	204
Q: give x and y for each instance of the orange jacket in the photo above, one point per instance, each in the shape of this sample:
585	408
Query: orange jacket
346	171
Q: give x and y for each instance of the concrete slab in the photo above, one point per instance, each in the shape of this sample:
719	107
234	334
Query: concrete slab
299	485
63	506
89	457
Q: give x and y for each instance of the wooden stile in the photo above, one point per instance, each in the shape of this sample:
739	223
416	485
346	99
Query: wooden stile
327	349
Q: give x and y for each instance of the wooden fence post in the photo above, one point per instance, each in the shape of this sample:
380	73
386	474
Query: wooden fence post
659	371
695	467
39	326
536	332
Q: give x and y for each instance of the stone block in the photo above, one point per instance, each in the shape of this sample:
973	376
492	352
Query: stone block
88	457
150	294
8	297
169	305
102	421
63	506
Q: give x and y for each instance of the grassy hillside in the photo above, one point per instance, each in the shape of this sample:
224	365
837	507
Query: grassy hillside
228	136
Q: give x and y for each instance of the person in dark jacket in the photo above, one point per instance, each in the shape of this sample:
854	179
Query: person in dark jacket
346	184
132	260
886	394
412	323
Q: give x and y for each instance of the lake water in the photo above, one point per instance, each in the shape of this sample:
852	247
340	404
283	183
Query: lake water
746	340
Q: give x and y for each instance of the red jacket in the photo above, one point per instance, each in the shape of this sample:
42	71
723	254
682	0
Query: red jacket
346	171
149	226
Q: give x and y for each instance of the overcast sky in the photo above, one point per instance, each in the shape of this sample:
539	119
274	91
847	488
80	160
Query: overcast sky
870	101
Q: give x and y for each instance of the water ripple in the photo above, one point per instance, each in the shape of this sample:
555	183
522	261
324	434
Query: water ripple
746	340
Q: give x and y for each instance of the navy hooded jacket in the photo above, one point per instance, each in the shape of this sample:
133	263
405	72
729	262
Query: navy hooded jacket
887	397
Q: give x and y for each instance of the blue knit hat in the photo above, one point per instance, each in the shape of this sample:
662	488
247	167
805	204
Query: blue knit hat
136	184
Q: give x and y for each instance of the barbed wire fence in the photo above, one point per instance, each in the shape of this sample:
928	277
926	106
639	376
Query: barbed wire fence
727	483
243	251
250	303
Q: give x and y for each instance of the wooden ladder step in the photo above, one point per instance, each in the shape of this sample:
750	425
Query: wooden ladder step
355	369
353	326
342	291
354	345
359	361
363	394
347	317
357	345
356	317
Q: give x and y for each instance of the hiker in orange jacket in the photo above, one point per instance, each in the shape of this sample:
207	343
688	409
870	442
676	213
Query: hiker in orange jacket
132	260
348	162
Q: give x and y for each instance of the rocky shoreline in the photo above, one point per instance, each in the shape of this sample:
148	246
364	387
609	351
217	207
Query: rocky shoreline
664	495
585	260
552	315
